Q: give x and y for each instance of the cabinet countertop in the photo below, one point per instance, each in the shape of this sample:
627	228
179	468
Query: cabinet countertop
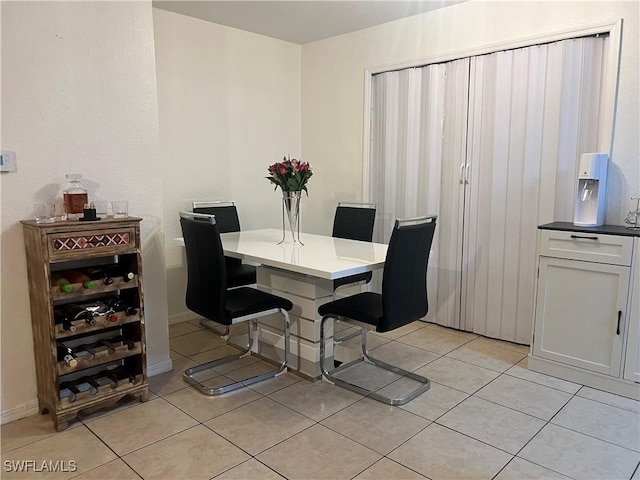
604	229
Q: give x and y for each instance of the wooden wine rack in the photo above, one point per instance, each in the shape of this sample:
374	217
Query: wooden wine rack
71	244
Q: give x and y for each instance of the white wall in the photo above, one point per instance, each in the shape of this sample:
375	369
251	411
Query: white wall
78	95
333	86
229	105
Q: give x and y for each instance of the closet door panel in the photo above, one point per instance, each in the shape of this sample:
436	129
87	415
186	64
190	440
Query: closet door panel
503	213
531	196
447	254
514	240
418	144
525	142
495	159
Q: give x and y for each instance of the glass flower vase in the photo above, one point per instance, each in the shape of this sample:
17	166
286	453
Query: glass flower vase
291	215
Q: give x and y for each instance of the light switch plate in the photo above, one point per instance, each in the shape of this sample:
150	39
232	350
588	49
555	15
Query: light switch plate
8	161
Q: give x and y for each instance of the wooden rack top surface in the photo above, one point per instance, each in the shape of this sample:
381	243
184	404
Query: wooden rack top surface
78	223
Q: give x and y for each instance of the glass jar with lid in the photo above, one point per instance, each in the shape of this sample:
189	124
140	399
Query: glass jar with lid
75	197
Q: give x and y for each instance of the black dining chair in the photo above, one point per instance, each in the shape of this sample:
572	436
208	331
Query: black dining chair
403	300
238	274
208	296
354	221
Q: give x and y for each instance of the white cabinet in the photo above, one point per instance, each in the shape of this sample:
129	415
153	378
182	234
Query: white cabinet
632	357
586	324
579	305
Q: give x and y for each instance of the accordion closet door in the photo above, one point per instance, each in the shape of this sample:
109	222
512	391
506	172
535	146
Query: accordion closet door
496	157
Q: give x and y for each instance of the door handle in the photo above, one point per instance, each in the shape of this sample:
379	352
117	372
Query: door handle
583	237
619	317
467	171
460	174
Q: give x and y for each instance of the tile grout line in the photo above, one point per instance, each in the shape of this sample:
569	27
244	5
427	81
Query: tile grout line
510	408
582	433
541	384
637	412
118	457
547	423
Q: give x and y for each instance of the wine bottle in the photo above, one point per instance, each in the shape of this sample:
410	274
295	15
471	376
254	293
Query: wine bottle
61	282
119	305
118	271
60	318
77	312
68	326
99	308
95	273
66	355
76	276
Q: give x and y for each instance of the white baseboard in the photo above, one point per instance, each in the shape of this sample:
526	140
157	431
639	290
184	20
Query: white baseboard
158	368
182	317
21	411
600	381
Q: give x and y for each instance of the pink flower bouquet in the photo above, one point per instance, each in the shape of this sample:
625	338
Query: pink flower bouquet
290	175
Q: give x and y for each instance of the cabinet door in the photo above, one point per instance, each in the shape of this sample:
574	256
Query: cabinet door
580	314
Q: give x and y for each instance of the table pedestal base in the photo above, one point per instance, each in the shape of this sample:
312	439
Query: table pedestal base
307	294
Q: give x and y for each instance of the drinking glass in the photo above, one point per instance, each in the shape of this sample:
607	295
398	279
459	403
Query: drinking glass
101	208
59	211
44	212
120	208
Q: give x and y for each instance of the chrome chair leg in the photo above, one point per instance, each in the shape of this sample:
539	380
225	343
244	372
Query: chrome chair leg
207	324
329	375
189	374
251	338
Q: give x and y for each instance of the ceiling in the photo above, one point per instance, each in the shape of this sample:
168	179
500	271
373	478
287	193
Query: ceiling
302	21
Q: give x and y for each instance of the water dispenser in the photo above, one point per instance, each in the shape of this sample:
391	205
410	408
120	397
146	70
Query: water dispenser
592	190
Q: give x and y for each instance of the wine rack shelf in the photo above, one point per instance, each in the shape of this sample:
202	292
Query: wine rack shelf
79	291
82	327
107	343
103	356
105	394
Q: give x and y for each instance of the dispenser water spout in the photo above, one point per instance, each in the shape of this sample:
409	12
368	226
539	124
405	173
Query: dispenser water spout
587	190
591	191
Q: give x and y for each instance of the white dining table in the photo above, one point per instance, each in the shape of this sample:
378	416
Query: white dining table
304	274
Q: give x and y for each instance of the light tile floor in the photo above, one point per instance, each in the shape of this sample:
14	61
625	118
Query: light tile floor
485	417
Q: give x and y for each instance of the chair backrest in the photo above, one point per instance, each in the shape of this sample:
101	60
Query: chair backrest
206	269
404	279
225	212
354	221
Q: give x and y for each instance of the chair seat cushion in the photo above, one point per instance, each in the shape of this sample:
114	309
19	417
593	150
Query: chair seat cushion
248	301
241	274
364	307
357	278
